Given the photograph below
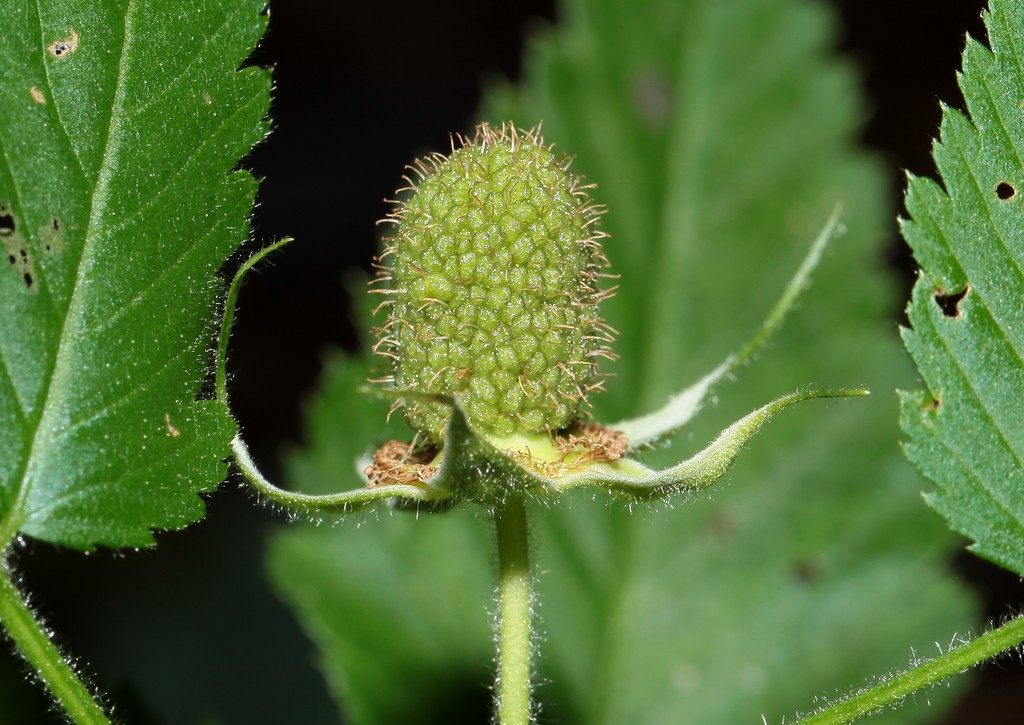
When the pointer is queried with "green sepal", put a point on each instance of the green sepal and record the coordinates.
(341, 503)
(473, 470)
(636, 482)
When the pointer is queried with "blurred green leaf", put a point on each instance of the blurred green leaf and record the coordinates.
(119, 128)
(720, 137)
(967, 313)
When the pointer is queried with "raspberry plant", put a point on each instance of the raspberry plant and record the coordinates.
(492, 279)
(540, 264)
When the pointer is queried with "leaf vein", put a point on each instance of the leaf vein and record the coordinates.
(20, 205)
(186, 254)
(57, 369)
(83, 488)
(983, 404)
(9, 378)
(184, 168)
(153, 372)
(997, 115)
(210, 37)
(1007, 257)
(56, 101)
(981, 480)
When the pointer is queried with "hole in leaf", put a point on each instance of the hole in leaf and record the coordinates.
(23, 262)
(13, 243)
(949, 303)
(64, 47)
(7, 226)
(1005, 191)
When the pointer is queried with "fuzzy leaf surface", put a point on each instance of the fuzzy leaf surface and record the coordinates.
(720, 138)
(120, 125)
(966, 316)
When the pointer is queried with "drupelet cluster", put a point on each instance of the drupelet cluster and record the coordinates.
(491, 277)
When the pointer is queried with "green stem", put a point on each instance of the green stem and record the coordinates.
(928, 673)
(515, 587)
(40, 652)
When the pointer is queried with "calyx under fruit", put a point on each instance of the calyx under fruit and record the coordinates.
(491, 276)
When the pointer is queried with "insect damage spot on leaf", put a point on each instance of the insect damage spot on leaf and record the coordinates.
(64, 47)
(1005, 191)
(51, 236)
(949, 302)
(172, 431)
(7, 225)
(21, 260)
(15, 248)
(37, 95)
(18, 256)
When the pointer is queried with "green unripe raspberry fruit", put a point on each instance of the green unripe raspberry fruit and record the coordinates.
(491, 282)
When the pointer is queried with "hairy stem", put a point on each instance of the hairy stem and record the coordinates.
(41, 653)
(930, 672)
(515, 587)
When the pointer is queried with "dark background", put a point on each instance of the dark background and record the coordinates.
(189, 632)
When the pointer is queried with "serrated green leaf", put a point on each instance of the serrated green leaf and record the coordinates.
(966, 316)
(719, 136)
(119, 127)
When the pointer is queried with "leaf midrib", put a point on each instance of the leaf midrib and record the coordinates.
(58, 381)
(682, 176)
(662, 322)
